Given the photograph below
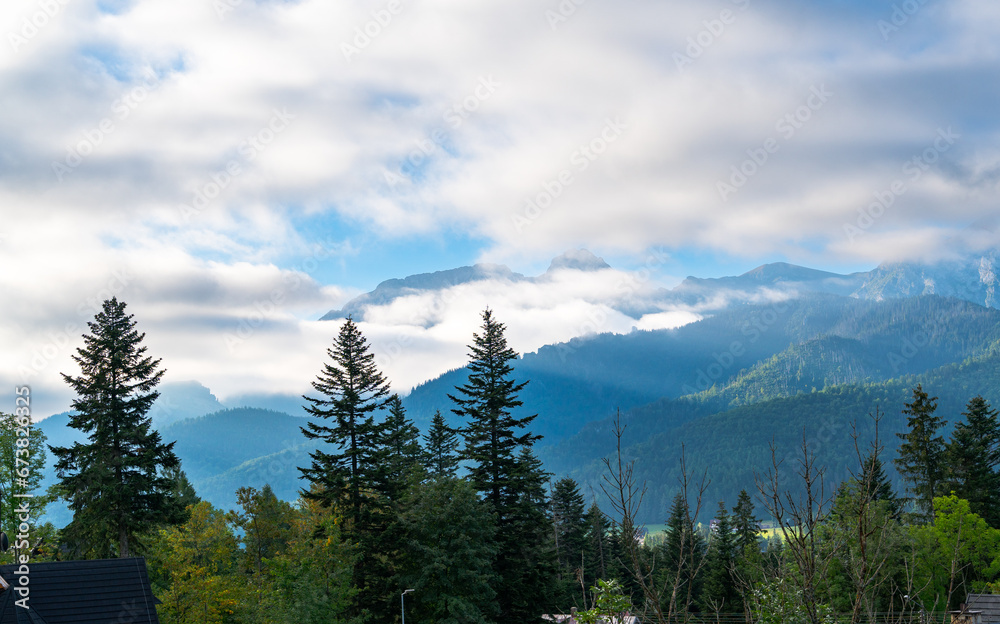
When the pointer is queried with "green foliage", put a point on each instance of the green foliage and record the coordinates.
(22, 466)
(194, 570)
(720, 593)
(569, 521)
(448, 554)
(351, 390)
(921, 456)
(972, 455)
(610, 604)
(956, 553)
(780, 601)
(116, 483)
(441, 448)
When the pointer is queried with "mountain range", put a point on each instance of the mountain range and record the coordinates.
(781, 352)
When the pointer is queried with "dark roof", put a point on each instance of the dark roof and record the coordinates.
(989, 604)
(78, 592)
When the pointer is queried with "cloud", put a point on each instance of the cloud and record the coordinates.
(188, 147)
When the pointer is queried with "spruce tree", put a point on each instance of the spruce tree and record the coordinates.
(681, 555)
(597, 548)
(511, 483)
(875, 481)
(440, 451)
(569, 520)
(972, 456)
(921, 455)
(720, 593)
(746, 525)
(352, 390)
(117, 483)
(492, 434)
(353, 477)
(400, 446)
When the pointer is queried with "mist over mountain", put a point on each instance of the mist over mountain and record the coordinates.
(787, 350)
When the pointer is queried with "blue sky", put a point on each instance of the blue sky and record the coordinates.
(217, 153)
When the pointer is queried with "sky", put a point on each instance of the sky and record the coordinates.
(234, 169)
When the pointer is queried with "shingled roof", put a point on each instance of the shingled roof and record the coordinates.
(989, 604)
(80, 592)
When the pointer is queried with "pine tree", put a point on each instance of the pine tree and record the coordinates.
(876, 482)
(116, 482)
(921, 456)
(352, 390)
(597, 548)
(569, 520)
(400, 447)
(972, 456)
(511, 484)
(492, 434)
(681, 555)
(720, 593)
(353, 477)
(746, 525)
(441, 448)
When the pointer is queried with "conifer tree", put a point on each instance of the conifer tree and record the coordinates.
(682, 556)
(400, 446)
(353, 476)
(116, 483)
(597, 548)
(492, 434)
(921, 455)
(441, 445)
(873, 474)
(352, 389)
(972, 455)
(746, 525)
(570, 528)
(511, 483)
(720, 593)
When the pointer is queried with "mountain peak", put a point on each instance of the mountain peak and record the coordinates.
(579, 260)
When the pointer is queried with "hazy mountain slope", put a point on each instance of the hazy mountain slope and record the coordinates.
(733, 445)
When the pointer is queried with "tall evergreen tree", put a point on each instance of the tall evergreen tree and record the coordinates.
(569, 521)
(972, 456)
(353, 476)
(875, 481)
(597, 548)
(116, 483)
(400, 446)
(921, 455)
(681, 555)
(511, 484)
(352, 390)
(720, 593)
(492, 434)
(441, 448)
(746, 525)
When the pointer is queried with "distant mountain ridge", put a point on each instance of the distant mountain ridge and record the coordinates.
(973, 277)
